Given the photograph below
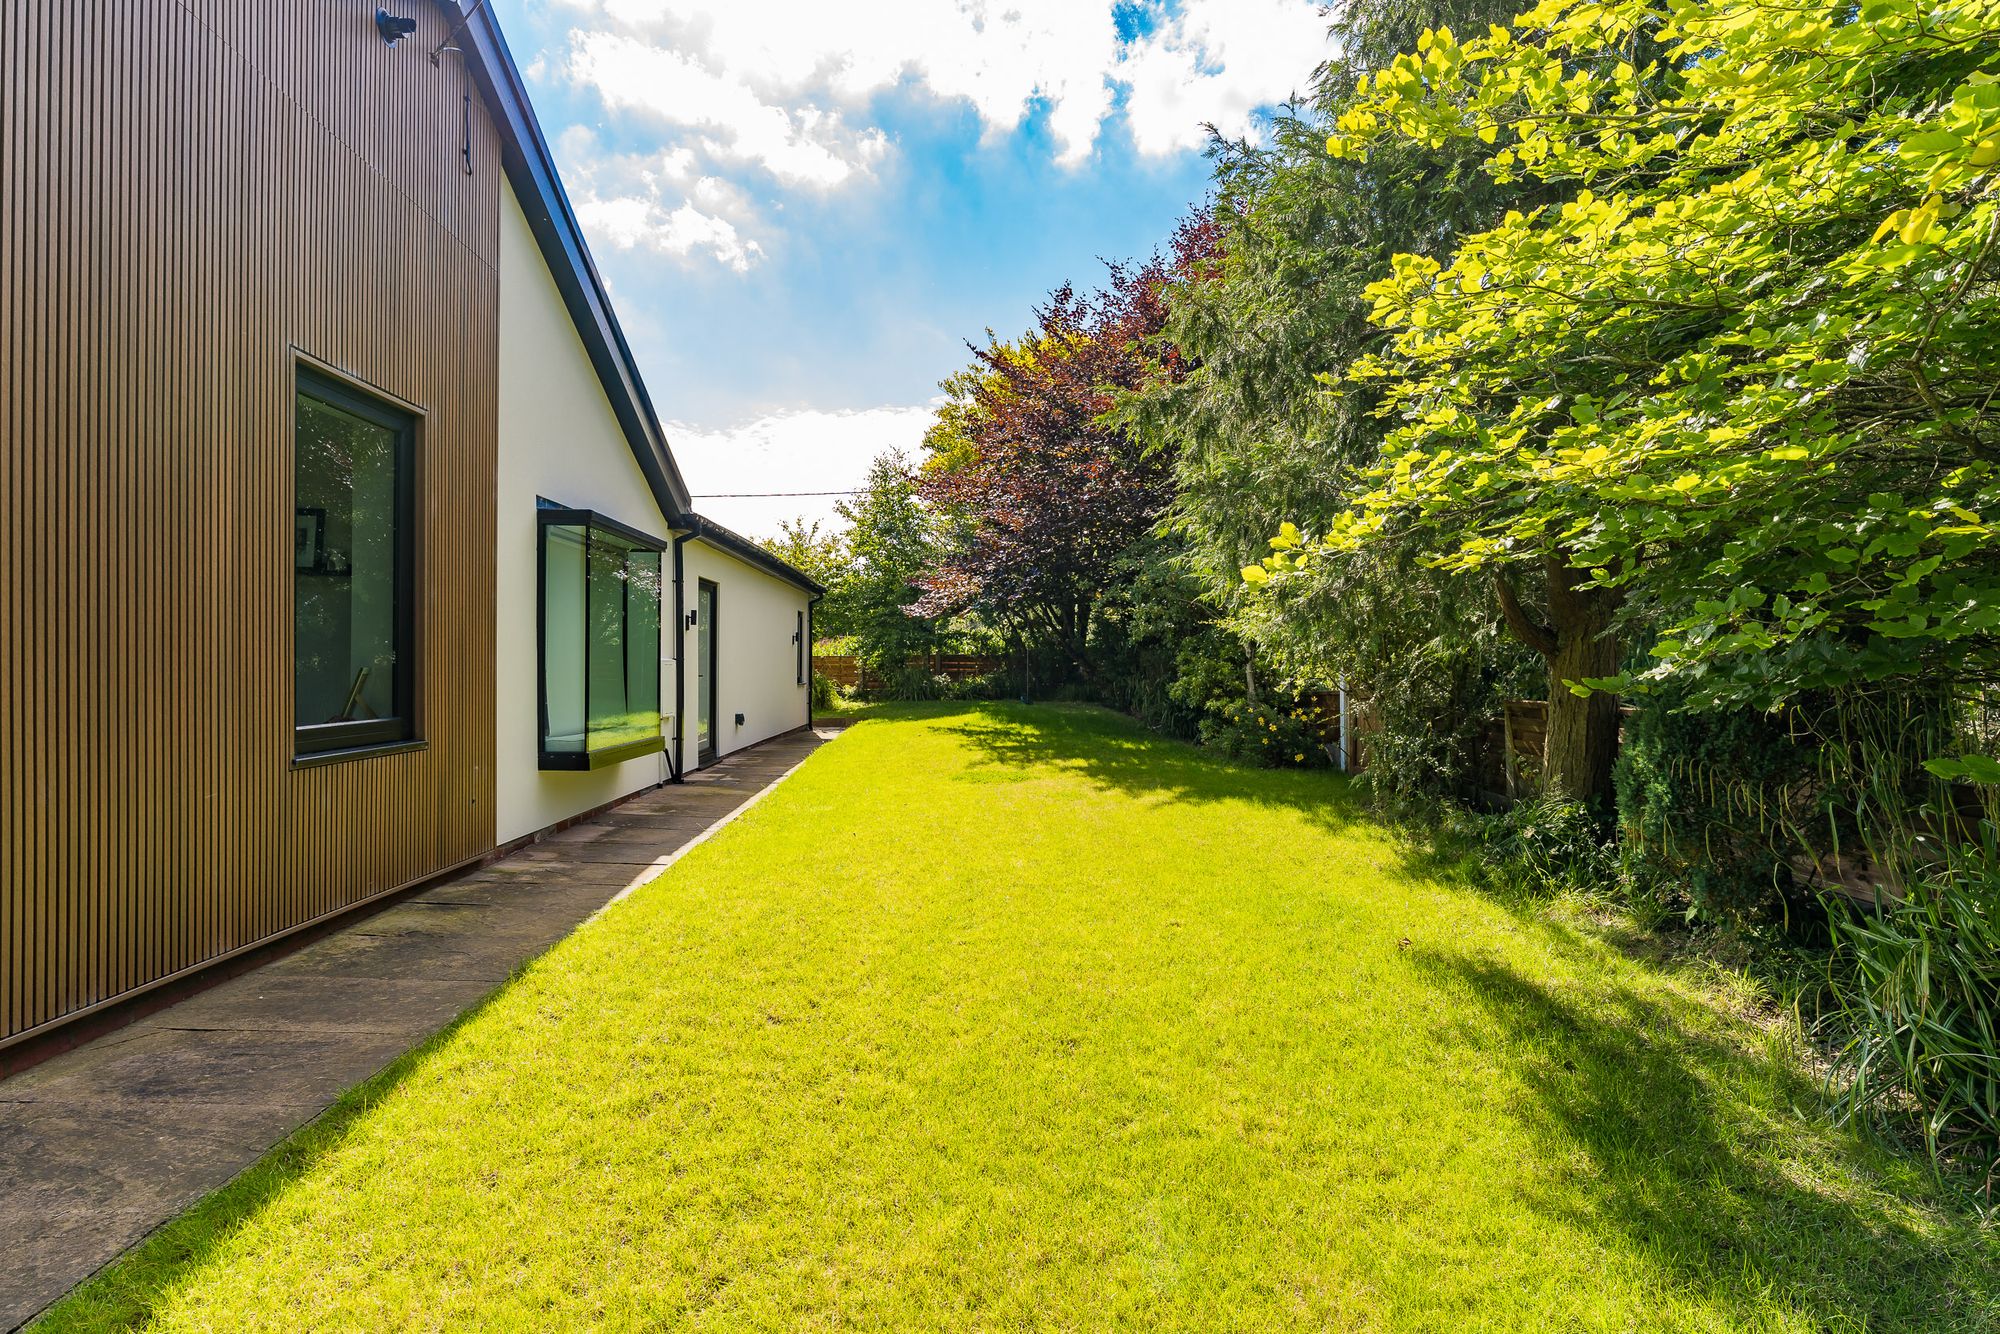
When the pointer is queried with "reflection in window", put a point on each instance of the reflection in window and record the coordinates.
(351, 568)
(601, 596)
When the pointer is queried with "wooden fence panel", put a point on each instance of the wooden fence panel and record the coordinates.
(850, 673)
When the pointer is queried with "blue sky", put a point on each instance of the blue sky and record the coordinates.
(805, 208)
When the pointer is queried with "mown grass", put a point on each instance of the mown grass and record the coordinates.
(996, 1017)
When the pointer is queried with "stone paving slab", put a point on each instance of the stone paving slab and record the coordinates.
(101, 1145)
(306, 1004)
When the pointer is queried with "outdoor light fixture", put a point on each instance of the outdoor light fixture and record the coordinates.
(393, 29)
(690, 620)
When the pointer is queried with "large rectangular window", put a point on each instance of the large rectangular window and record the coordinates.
(601, 588)
(353, 571)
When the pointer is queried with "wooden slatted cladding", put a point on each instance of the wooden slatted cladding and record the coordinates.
(194, 194)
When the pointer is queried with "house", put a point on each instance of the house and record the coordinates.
(344, 545)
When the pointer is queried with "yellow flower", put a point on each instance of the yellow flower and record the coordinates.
(1300, 757)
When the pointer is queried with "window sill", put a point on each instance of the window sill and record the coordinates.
(560, 761)
(319, 757)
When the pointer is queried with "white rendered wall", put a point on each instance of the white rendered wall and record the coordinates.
(755, 660)
(558, 439)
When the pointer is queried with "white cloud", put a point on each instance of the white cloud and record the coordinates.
(776, 95)
(803, 450)
(805, 145)
(654, 202)
(776, 80)
(631, 223)
(1217, 62)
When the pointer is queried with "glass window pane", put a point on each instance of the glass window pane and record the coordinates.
(705, 656)
(601, 622)
(642, 640)
(563, 622)
(346, 576)
(608, 721)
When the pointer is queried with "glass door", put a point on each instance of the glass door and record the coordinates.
(704, 684)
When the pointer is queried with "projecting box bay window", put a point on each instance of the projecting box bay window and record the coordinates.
(600, 630)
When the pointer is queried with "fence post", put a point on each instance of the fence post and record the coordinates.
(1345, 735)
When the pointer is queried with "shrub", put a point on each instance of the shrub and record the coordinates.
(1555, 844)
(1704, 800)
(1274, 734)
(915, 682)
(908, 682)
(826, 693)
(1920, 1002)
(993, 685)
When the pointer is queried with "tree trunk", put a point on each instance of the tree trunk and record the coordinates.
(1577, 644)
(1069, 625)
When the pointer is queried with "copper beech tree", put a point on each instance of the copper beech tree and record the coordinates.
(1040, 495)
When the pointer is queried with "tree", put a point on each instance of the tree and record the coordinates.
(1256, 441)
(1739, 386)
(1041, 494)
(891, 542)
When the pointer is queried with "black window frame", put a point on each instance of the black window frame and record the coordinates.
(708, 671)
(549, 516)
(799, 638)
(319, 743)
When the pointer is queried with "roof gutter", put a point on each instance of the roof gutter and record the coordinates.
(745, 550)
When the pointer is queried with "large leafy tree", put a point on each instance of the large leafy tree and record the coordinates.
(891, 540)
(1740, 384)
(1042, 495)
(1256, 441)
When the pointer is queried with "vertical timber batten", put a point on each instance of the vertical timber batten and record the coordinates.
(195, 194)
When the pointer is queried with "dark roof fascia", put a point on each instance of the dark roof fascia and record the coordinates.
(532, 170)
(728, 539)
(603, 523)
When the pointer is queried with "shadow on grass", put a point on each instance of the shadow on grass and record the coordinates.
(1708, 1153)
(129, 1292)
(1115, 753)
(1705, 1153)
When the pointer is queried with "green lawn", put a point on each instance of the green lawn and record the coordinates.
(995, 1018)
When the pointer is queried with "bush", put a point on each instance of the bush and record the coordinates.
(1276, 735)
(919, 683)
(993, 685)
(1920, 1001)
(1704, 800)
(826, 693)
(1555, 844)
(910, 683)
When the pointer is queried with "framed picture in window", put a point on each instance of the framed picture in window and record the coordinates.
(308, 535)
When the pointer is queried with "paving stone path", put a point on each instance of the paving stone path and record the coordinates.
(103, 1144)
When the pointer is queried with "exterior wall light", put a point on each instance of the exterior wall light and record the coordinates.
(393, 29)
